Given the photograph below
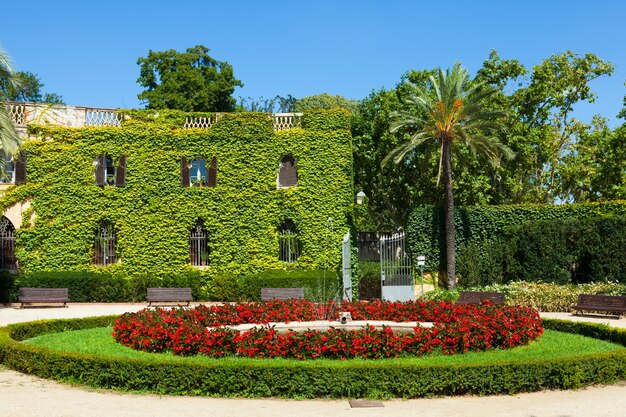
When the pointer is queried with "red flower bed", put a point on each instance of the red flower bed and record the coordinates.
(457, 329)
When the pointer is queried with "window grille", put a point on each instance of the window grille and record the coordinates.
(107, 173)
(288, 242)
(104, 245)
(7, 245)
(9, 169)
(199, 245)
(287, 173)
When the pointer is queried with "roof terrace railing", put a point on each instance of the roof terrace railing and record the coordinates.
(23, 113)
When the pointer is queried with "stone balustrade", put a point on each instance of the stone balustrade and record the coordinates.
(77, 116)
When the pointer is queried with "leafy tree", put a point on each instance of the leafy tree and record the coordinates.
(325, 101)
(188, 81)
(9, 142)
(595, 167)
(450, 112)
(27, 86)
(278, 104)
(393, 189)
(540, 128)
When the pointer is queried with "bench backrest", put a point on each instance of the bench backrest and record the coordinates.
(281, 293)
(602, 300)
(43, 295)
(476, 297)
(169, 294)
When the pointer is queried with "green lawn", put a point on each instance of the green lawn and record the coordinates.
(550, 345)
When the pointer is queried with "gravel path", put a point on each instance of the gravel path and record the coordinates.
(25, 395)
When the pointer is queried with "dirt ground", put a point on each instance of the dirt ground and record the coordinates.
(26, 395)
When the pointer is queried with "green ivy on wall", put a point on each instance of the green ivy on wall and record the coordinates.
(153, 214)
(480, 224)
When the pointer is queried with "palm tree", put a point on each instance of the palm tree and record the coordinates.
(449, 112)
(9, 142)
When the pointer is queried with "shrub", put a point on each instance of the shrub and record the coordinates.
(486, 224)
(567, 251)
(329, 379)
(7, 280)
(538, 296)
(89, 286)
(319, 285)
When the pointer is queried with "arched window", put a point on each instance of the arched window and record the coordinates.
(7, 245)
(287, 172)
(288, 242)
(107, 173)
(199, 252)
(104, 245)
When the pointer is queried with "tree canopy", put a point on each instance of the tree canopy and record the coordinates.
(26, 86)
(189, 81)
(557, 158)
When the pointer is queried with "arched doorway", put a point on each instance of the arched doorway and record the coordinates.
(7, 245)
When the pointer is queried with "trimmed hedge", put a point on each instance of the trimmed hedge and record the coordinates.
(296, 379)
(102, 286)
(480, 231)
(538, 296)
(319, 285)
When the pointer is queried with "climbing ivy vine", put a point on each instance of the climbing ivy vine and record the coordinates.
(153, 214)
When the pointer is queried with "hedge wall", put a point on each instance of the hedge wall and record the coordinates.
(480, 224)
(153, 214)
(310, 379)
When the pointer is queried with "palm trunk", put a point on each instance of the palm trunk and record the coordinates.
(449, 213)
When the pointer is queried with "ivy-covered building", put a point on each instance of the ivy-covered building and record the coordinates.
(159, 193)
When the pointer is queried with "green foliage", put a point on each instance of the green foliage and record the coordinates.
(319, 285)
(540, 130)
(27, 87)
(325, 101)
(565, 251)
(546, 297)
(7, 280)
(9, 142)
(485, 225)
(297, 379)
(189, 81)
(277, 104)
(153, 214)
(104, 286)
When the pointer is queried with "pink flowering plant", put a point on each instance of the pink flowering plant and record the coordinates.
(201, 330)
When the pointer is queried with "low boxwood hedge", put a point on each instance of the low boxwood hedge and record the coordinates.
(296, 379)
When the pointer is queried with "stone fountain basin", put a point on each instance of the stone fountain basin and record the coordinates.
(324, 325)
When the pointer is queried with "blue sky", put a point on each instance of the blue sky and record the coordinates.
(87, 50)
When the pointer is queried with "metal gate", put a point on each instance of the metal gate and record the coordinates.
(7, 244)
(347, 269)
(396, 271)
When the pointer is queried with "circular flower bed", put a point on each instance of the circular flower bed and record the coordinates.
(456, 329)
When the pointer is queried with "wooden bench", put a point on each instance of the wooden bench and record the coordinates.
(281, 293)
(43, 296)
(615, 304)
(477, 297)
(169, 295)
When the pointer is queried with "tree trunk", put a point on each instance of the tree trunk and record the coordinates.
(449, 213)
